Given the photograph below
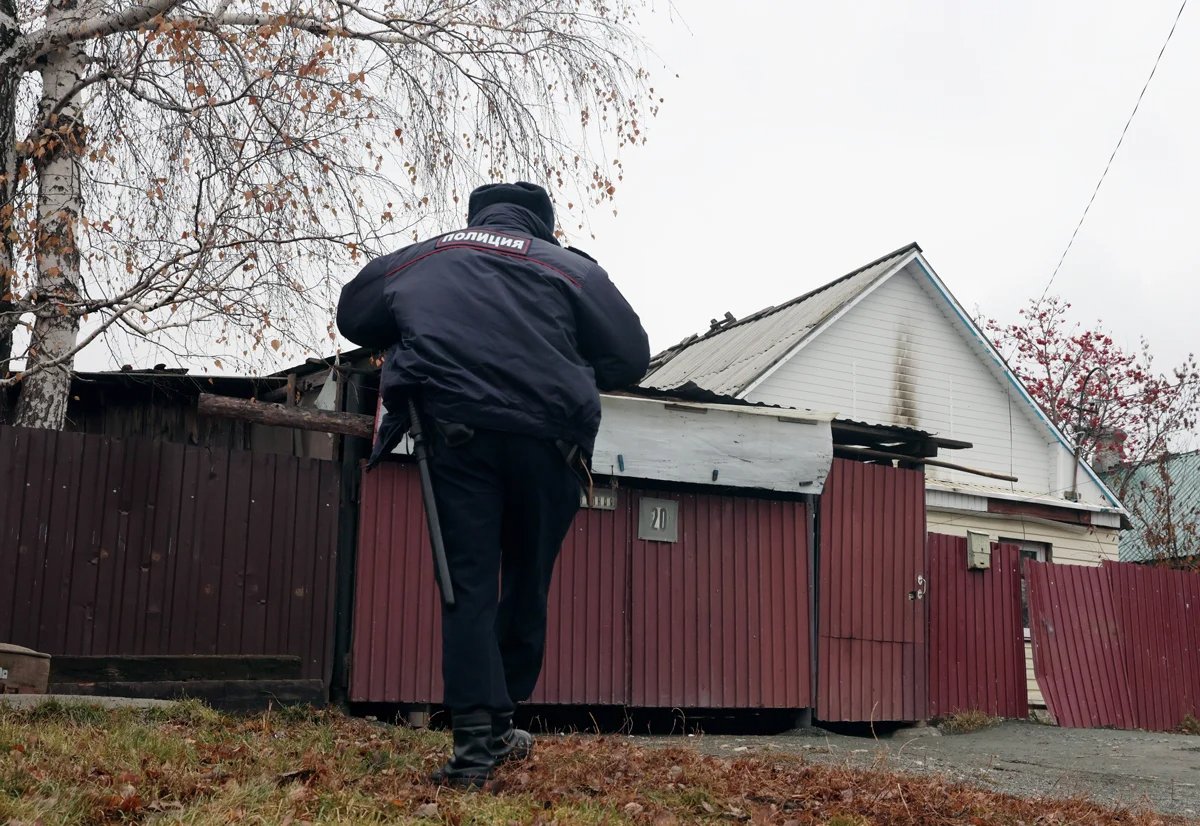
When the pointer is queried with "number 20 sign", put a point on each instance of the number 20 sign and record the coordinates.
(658, 520)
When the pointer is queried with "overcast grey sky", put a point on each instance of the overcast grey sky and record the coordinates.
(803, 139)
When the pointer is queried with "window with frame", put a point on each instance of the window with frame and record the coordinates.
(1030, 551)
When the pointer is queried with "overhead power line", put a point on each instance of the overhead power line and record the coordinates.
(1116, 148)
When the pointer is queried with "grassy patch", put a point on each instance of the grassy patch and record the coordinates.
(184, 713)
(1190, 725)
(965, 722)
(186, 764)
(1042, 717)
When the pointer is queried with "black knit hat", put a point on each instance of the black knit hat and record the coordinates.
(531, 196)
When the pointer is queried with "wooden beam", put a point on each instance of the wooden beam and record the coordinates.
(154, 667)
(952, 444)
(223, 695)
(866, 431)
(866, 453)
(278, 415)
(886, 433)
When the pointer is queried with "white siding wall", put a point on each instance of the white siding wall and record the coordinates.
(1069, 544)
(897, 357)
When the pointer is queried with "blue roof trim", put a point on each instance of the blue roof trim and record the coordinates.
(1004, 368)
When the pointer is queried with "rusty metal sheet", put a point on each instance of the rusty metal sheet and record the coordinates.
(976, 642)
(1077, 656)
(132, 546)
(721, 617)
(396, 653)
(871, 557)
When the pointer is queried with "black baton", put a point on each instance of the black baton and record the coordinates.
(441, 568)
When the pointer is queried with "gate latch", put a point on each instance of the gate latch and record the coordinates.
(921, 588)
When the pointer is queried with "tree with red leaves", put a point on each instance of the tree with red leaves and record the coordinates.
(1116, 406)
(1101, 395)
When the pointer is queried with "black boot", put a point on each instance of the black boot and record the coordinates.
(473, 760)
(509, 742)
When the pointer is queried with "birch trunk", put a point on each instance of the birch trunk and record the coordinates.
(9, 79)
(44, 393)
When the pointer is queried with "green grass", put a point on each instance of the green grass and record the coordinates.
(965, 722)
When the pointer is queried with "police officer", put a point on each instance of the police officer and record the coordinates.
(504, 338)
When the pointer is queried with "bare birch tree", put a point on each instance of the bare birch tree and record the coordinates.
(202, 173)
(9, 81)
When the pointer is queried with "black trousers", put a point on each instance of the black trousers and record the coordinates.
(506, 502)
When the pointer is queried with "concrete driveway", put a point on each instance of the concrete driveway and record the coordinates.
(1160, 772)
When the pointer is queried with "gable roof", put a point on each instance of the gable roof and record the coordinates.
(729, 358)
(733, 358)
(1142, 483)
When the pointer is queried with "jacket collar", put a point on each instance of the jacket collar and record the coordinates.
(516, 218)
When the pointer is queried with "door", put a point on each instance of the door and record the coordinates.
(871, 594)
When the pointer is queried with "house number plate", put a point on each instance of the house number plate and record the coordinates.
(658, 520)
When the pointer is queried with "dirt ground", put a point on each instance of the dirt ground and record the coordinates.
(1139, 770)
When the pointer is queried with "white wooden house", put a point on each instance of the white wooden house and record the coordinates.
(889, 344)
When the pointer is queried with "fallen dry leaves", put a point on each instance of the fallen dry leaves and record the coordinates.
(198, 767)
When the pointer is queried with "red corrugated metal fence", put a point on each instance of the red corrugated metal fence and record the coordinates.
(131, 546)
(976, 646)
(717, 619)
(1076, 647)
(721, 617)
(1158, 617)
(587, 644)
(397, 654)
(396, 651)
(1116, 646)
(872, 663)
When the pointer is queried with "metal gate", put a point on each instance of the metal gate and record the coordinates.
(871, 594)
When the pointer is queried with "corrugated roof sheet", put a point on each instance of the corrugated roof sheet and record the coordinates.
(1145, 484)
(728, 359)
